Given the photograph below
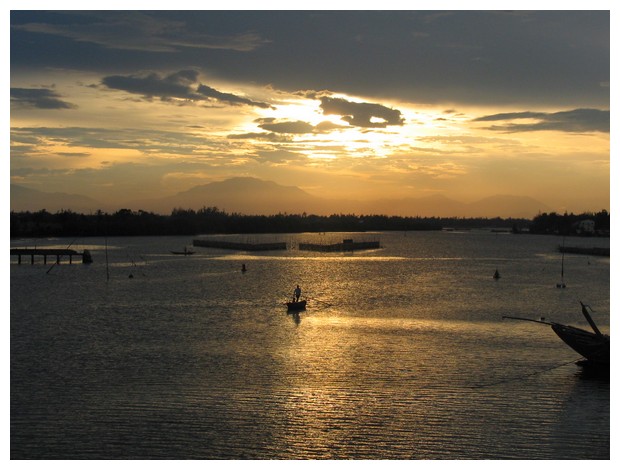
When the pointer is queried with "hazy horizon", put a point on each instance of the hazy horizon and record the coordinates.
(251, 196)
(123, 106)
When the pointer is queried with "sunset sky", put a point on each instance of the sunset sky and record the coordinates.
(128, 105)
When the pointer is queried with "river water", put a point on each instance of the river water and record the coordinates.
(402, 352)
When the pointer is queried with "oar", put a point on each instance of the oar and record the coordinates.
(314, 299)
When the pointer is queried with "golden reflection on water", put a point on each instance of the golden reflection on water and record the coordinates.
(348, 369)
(324, 397)
(395, 356)
(340, 358)
(310, 257)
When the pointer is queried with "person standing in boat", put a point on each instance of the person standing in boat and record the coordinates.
(297, 293)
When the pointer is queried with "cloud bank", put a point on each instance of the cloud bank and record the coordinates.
(576, 120)
(140, 31)
(41, 98)
(179, 85)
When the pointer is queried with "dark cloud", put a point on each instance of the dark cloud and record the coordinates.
(508, 116)
(327, 126)
(73, 154)
(181, 85)
(281, 131)
(20, 152)
(288, 127)
(313, 94)
(576, 120)
(229, 97)
(362, 114)
(139, 31)
(148, 141)
(558, 58)
(176, 85)
(42, 98)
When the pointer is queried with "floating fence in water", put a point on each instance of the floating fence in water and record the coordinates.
(593, 251)
(236, 245)
(346, 245)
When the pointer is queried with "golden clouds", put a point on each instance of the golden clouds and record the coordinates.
(186, 132)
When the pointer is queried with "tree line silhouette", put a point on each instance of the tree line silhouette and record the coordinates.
(567, 224)
(209, 220)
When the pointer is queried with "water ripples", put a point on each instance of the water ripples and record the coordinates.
(399, 359)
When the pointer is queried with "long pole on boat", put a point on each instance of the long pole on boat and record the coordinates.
(314, 299)
(527, 319)
(584, 310)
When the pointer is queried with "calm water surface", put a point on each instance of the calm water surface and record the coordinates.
(401, 354)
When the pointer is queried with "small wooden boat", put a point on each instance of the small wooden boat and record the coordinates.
(296, 306)
(593, 346)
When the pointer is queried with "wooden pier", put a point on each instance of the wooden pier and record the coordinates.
(59, 253)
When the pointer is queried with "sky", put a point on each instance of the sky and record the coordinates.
(125, 105)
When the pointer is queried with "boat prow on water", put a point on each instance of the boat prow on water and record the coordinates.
(296, 306)
(592, 345)
(594, 348)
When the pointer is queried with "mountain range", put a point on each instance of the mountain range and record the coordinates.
(255, 196)
(27, 199)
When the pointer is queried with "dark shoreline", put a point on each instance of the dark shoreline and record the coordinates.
(211, 220)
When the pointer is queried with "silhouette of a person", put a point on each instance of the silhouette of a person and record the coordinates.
(297, 293)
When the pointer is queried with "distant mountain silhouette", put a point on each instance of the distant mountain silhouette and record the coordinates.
(504, 206)
(249, 196)
(26, 199)
(428, 206)
(243, 195)
(507, 206)
(255, 196)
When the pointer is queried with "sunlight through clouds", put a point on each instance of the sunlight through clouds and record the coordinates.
(193, 104)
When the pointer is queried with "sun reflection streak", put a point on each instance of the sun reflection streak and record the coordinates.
(328, 398)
